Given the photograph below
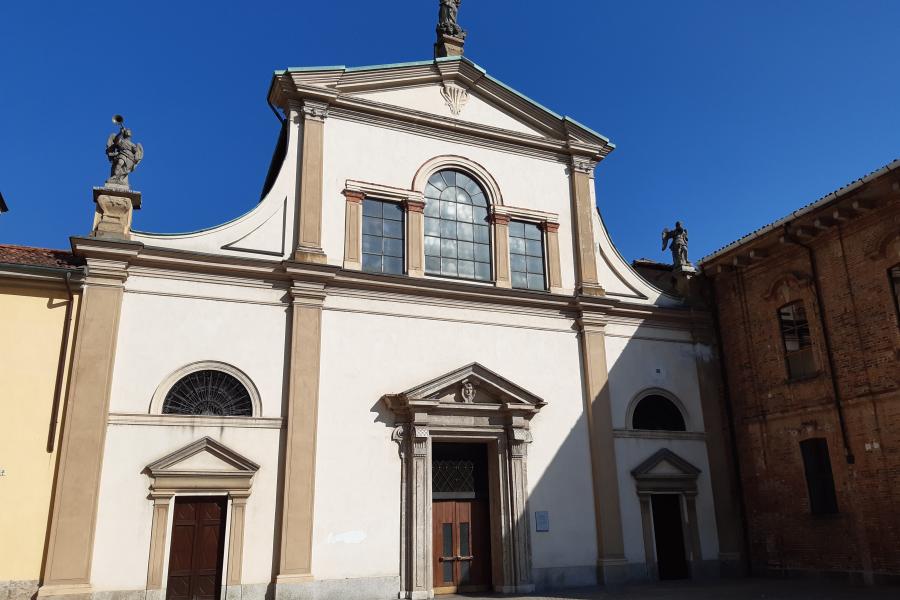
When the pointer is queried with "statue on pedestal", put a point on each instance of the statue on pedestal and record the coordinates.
(447, 24)
(115, 202)
(679, 246)
(123, 154)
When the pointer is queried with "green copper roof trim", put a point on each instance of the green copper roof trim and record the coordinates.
(325, 68)
(589, 130)
(414, 63)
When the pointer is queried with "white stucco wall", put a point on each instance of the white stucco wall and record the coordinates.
(366, 355)
(169, 323)
(125, 512)
(389, 157)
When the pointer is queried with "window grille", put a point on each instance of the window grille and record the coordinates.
(526, 255)
(382, 242)
(208, 393)
(453, 477)
(819, 478)
(797, 340)
(894, 274)
(657, 413)
(457, 234)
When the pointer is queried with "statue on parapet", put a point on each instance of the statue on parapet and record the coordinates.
(447, 19)
(123, 154)
(679, 245)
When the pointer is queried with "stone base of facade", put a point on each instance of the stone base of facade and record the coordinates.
(612, 572)
(357, 588)
(553, 578)
(853, 577)
(18, 590)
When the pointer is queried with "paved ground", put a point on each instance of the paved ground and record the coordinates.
(747, 589)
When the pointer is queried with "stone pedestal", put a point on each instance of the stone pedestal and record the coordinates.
(448, 45)
(683, 276)
(114, 208)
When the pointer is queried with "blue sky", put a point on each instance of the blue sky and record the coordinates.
(726, 115)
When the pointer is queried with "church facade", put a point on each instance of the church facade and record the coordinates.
(418, 365)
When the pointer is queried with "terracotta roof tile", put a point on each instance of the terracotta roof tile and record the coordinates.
(39, 257)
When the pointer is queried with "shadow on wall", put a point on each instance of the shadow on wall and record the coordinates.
(559, 515)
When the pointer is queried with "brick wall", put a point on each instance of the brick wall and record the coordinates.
(772, 414)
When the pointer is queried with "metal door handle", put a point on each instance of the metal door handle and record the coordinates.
(447, 558)
(465, 557)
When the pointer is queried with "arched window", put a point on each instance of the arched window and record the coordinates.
(657, 413)
(457, 233)
(208, 392)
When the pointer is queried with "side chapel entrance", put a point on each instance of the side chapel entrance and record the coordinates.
(461, 532)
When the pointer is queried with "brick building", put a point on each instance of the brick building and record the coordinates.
(809, 318)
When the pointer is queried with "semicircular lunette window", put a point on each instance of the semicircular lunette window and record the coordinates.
(457, 234)
(208, 393)
(657, 413)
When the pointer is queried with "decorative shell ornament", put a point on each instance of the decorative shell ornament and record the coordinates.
(455, 96)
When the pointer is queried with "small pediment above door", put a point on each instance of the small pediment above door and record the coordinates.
(204, 464)
(666, 471)
(472, 388)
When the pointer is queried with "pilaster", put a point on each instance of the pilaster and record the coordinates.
(309, 219)
(295, 565)
(236, 539)
(554, 271)
(586, 278)
(353, 230)
(161, 502)
(610, 543)
(723, 476)
(518, 440)
(415, 237)
(67, 569)
(501, 250)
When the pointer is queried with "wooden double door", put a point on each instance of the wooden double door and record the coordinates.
(461, 546)
(198, 543)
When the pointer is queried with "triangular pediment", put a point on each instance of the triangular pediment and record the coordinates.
(472, 387)
(447, 93)
(665, 463)
(206, 456)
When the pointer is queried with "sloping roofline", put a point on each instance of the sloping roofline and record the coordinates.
(811, 207)
(337, 79)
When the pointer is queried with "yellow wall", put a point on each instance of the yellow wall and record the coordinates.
(31, 328)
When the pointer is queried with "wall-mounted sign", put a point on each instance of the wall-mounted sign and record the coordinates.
(542, 520)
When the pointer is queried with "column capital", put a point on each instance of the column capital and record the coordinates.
(499, 219)
(307, 294)
(414, 205)
(592, 323)
(582, 164)
(354, 196)
(549, 226)
(313, 110)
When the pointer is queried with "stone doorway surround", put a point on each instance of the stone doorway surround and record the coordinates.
(667, 473)
(204, 467)
(471, 404)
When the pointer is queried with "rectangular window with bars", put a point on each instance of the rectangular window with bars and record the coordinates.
(382, 242)
(894, 274)
(526, 256)
(819, 478)
(795, 334)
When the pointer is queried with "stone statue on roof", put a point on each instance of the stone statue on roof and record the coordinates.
(679, 245)
(123, 154)
(447, 23)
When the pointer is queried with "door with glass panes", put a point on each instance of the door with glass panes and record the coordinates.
(460, 518)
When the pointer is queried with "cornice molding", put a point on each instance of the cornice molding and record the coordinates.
(337, 86)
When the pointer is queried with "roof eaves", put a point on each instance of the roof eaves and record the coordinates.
(831, 197)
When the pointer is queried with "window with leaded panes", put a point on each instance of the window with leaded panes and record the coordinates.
(382, 242)
(526, 256)
(457, 233)
(797, 340)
